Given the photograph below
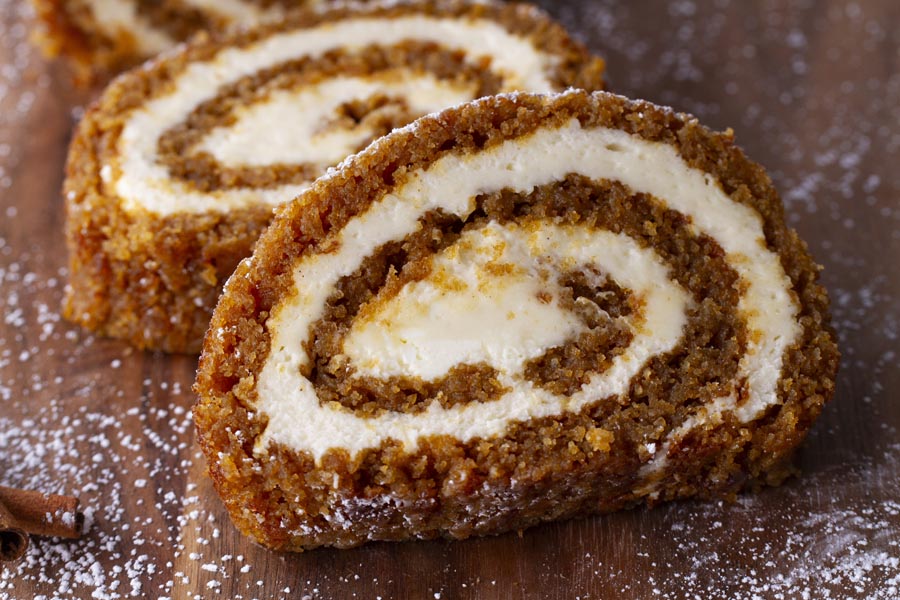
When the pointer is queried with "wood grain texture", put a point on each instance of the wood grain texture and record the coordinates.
(812, 90)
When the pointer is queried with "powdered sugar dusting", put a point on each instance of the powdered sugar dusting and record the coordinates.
(809, 93)
(828, 541)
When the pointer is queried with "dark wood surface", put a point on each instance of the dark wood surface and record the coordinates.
(812, 90)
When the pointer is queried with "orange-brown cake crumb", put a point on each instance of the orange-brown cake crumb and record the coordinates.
(660, 333)
(174, 172)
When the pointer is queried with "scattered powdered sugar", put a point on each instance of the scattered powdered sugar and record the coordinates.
(83, 416)
(846, 547)
(19, 87)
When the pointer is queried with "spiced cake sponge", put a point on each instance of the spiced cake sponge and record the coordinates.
(524, 308)
(174, 172)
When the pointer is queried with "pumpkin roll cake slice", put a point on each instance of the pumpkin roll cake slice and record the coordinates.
(102, 37)
(175, 171)
(521, 309)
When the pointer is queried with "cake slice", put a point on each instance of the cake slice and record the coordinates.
(174, 172)
(525, 308)
(100, 38)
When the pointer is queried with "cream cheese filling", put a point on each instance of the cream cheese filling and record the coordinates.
(490, 298)
(237, 11)
(295, 417)
(118, 18)
(267, 132)
(142, 182)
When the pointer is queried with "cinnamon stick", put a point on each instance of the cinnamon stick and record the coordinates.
(30, 512)
(13, 540)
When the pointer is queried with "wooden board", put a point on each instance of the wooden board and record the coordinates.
(813, 92)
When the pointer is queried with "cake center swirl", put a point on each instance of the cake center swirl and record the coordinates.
(493, 280)
(522, 165)
(266, 132)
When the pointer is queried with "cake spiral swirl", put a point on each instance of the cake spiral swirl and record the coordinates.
(175, 172)
(525, 308)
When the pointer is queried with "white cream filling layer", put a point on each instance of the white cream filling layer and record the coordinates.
(142, 182)
(490, 298)
(238, 12)
(288, 400)
(288, 126)
(118, 18)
